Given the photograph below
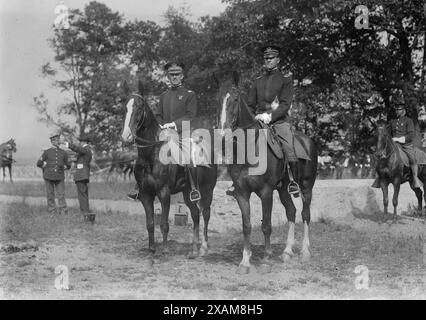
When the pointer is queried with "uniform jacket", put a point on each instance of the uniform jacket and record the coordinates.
(402, 127)
(84, 157)
(176, 105)
(264, 91)
(56, 161)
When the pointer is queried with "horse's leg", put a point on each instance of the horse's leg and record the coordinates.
(306, 218)
(147, 201)
(419, 196)
(195, 214)
(10, 173)
(396, 187)
(205, 202)
(266, 197)
(164, 197)
(384, 187)
(244, 204)
(290, 211)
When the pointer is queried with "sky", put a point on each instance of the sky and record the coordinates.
(25, 26)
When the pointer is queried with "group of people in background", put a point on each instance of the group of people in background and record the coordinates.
(54, 161)
(356, 165)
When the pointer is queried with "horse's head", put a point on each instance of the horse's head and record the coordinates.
(229, 105)
(233, 109)
(382, 140)
(11, 145)
(139, 116)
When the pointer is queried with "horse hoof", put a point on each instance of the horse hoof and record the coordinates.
(193, 255)
(306, 256)
(149, 263)
(286, 257)
(243, 270)
(203, 251)
(265, 268)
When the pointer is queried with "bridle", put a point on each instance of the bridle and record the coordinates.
(383, 154)
(240, 102)
(138, 141)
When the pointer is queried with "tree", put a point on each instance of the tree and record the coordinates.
(89, 58)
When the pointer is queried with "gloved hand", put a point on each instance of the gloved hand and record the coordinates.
(400, 139)
(170, 125)
(264, 117)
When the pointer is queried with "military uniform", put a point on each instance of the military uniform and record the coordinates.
(82, 173)
(176, 105)
(404, 127)
(54, 161)
(273, 85)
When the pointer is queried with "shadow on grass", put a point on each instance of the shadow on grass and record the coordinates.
(372, 212)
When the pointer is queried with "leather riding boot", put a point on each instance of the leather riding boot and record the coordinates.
(416, 183)
(293, 186)
(231, 191)
(133, 196)
(376, 183)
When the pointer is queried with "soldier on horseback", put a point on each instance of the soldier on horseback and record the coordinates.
(177, 104)
(270, 99)
(402, 132)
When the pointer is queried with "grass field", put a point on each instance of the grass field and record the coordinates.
(111, 190)
(110, 260)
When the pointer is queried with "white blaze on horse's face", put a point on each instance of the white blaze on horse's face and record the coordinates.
(223, 114)
(127, 133)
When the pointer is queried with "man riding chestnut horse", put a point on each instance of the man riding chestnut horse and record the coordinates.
(270, 99)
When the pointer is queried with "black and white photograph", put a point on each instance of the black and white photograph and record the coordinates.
(212, 150)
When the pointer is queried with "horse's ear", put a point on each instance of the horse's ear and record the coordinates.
(140, 87)
(236, 77)
(126, 88)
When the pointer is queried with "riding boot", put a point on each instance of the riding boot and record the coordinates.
(416, 183)
(134, 196)
(231, 191)
(293, 186)
(376, 183)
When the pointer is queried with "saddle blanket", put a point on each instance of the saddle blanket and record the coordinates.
(300, 146)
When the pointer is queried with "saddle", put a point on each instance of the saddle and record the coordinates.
(299, 143)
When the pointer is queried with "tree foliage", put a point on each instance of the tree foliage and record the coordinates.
(345, 77)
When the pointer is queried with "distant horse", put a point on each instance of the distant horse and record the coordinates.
(391, 169)
(6, 157)
(235, 115)
(156, 179)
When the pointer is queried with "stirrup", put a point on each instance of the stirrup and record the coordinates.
(194, 195)
(295, 192)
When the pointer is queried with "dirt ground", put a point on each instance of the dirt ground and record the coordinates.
(110, 260)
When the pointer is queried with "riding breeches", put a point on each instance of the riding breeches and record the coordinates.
(410, 152)
(285, 133)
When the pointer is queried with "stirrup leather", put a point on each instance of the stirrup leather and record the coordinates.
(194, 195)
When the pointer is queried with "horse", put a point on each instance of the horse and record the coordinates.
(6, 157)
(390, 168)
(235, 115)
(157, 179)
